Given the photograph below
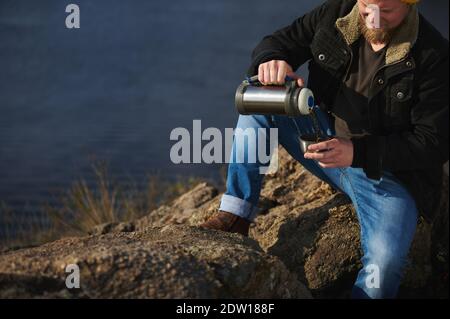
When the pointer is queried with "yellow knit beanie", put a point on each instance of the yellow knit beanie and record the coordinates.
(410, 1)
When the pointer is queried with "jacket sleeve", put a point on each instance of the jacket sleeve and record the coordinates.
(291, 44)
(426, 143)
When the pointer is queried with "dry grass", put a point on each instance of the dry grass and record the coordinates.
(83, 207)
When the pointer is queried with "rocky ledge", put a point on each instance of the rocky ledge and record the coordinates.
(303, 244)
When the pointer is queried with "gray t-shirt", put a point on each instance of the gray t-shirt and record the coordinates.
(351, 103)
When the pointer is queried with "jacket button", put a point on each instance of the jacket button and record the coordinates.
(380, 81)
(400, 95)
(344, 51)
(321, 57)
(409, 64)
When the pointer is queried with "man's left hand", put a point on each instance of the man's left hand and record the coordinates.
(337, 152)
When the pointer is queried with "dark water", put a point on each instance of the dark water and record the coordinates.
(114, 89)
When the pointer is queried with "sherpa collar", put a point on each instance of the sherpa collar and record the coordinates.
(400, 44)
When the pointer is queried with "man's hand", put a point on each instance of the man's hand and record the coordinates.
(339, 153)
(275, 72)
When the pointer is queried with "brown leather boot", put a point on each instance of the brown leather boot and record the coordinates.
(227, 222)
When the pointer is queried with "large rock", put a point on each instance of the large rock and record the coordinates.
(314, 230)
(158, 262)
(306, 232)
(181, 209)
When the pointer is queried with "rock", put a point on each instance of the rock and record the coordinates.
(318, 241)
(112, 227)
(305, 240)
(181, 208)
(159, 262)
(314, 230)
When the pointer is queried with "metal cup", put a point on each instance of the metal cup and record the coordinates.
(308, 139)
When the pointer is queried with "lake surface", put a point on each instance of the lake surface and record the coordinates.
(114, 89)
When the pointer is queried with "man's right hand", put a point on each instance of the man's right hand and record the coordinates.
(274, 73)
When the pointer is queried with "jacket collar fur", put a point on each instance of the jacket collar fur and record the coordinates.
(402, 41)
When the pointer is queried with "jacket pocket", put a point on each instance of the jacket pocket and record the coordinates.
(399, 101)
(328, 53)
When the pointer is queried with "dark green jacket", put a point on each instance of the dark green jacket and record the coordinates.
(408, 97)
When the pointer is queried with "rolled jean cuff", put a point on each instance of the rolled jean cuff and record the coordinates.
(239, 207)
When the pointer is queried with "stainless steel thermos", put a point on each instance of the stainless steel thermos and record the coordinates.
(254, 98)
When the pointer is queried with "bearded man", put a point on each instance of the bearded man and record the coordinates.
(379, 73)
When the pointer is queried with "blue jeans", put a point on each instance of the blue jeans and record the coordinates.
(386, 211)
